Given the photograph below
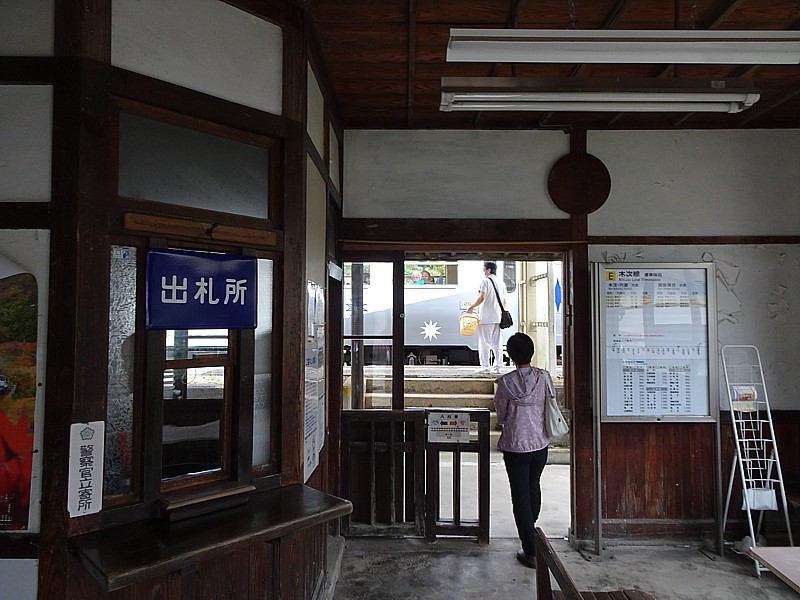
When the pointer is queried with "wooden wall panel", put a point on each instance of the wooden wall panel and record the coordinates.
(82, 586)
(263, 570)
(167, 587)
(787, 434)
(658, 478)
(248, 572)
(224, 577)
(658, 472)
(302, 562)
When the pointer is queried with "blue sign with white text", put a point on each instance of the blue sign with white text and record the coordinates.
(200, 290)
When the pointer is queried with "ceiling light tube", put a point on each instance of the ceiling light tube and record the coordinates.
(573, 46)
(600, 95)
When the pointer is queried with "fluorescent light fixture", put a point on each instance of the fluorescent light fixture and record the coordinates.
(596, 95)
(673, 46)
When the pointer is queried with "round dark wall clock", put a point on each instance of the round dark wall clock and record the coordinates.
(579, 183)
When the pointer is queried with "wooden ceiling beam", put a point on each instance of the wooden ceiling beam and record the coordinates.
(366, 49)
(764, 107)
(514, 10)
(714, 23)
(611, 21)
(724, 13)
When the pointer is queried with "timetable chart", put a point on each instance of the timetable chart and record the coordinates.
(643, 351)
(652, 388)
(655, 341)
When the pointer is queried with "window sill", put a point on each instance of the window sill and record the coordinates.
(136, 552)
(200, 500)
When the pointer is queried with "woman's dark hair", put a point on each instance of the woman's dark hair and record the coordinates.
(492, 266)
(520, 348)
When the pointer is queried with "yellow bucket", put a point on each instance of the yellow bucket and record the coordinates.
(468, 323)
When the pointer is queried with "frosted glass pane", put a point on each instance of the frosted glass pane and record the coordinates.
(121, 330)
(185, 167)
(262, 371)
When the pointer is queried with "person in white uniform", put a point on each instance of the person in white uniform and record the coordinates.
(489, 325)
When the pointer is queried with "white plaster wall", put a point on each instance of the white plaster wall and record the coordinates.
(450, 174)
(758, 303)
(699, 182)
(26, 125)
(204, 45)
(316, 223)
(30, 250)
(315, 113)
(26, 27)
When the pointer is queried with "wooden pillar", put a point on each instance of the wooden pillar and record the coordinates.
(78, 315)
(580, 376)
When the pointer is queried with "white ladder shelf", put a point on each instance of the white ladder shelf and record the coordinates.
(755, 451)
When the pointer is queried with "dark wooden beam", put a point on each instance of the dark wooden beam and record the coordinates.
(513, 19)
(578, 387)
(27, 70)
(613, 18)
(611, 22)
(740, 72)
(77, 350)
(764, 107)
(412, 57)
(416, 232)
(723, 14)
(26, 215)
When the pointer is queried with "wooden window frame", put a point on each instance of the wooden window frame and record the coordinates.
(146, 224)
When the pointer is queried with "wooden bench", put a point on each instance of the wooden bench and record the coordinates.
(547, 562)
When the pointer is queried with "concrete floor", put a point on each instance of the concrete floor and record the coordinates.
(457, 569)
(410, 569)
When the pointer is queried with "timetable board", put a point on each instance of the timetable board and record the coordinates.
(656, 332)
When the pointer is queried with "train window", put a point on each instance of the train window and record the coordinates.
(510, 276)
(430, 273)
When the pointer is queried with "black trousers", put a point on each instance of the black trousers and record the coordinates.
(524, 473)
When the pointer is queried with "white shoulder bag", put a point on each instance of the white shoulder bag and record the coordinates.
(556, 424)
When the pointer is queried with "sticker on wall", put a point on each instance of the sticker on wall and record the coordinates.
(85, 487)
(18, 337)
(448, 427)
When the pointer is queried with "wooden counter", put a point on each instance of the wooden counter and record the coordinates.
(132, 553)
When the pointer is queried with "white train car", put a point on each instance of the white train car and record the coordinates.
(431, 310)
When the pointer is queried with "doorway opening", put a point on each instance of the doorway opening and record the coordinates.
(404, 350)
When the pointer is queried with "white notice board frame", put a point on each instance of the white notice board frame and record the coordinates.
(655, 331)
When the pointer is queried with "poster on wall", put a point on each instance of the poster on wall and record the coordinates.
(656, 330)
(18, 340)
(311, 446)
(314, 398)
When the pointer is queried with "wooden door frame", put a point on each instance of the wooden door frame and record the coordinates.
(362, 238)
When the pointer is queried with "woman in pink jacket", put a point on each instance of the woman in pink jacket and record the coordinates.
(520, 403)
